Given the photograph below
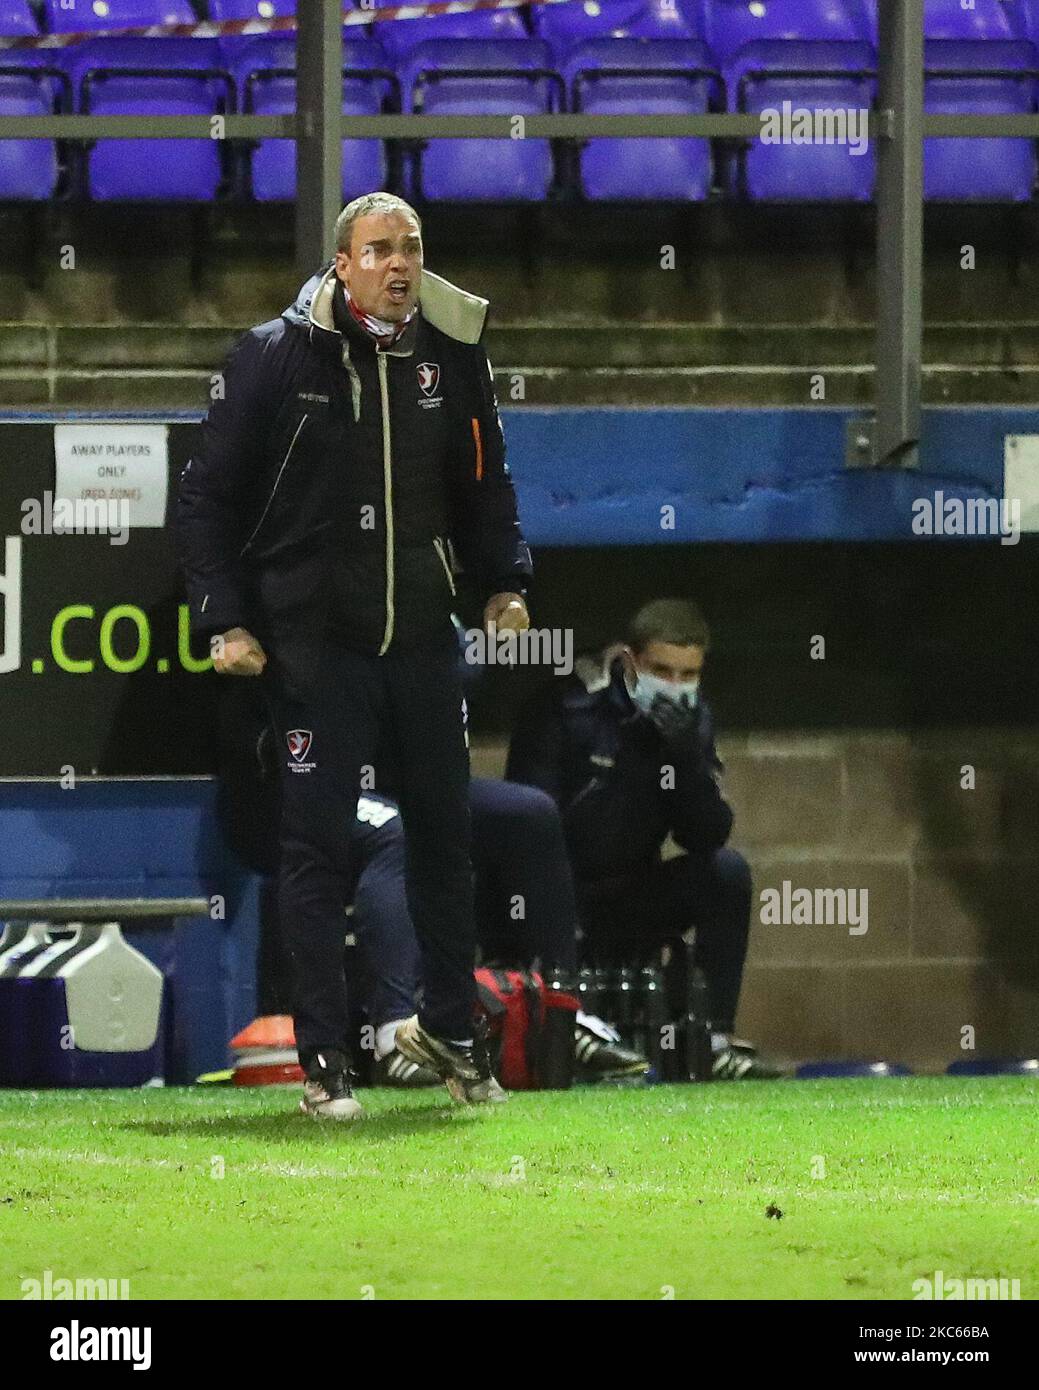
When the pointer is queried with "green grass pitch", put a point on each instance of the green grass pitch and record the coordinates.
(216, 1193)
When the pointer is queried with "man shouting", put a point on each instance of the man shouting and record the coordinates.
(354, 452)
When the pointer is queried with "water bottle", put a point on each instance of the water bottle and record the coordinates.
(604, 986)
(698, 1055)
(587, 990)
(626, 1003)
(652, 1018)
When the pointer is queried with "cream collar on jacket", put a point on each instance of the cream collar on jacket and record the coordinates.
(454, 311)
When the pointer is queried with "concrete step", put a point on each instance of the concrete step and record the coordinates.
(614, 345)
(717, 262)
(188, 388)
(537, 363)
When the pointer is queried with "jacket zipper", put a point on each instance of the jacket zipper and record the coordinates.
(277, 484)
(387, 481)
(438, 545)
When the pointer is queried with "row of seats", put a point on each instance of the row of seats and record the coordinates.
(726, 25)
(655, 57)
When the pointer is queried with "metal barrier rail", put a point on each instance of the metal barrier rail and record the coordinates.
(100, 909)
(561, 126)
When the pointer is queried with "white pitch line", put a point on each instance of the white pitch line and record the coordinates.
(784, 1191)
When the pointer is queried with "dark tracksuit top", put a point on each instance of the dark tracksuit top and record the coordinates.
(314, 502)
(601, 760)
(332, 484)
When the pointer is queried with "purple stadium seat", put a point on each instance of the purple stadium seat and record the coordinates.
(563, 27)
(814, 54)
(16, 18)
(30, 86)
(978, 61)
(989, 20)
(659, 77)
(220, 11)
(167, 77)
(978, 77)
(730, 25)
(823, 79)
(993, 36)
(456, 77)
(267, 88)
(1029, 12)
(232, 45)
(84, 15)
(399, 36)
(28, 168)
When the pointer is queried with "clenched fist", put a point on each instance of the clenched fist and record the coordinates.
(507, 612)
(237, 653)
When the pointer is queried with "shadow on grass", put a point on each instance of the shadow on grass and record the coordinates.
(293, 1126)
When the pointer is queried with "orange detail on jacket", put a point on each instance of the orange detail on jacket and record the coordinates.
(479, 448)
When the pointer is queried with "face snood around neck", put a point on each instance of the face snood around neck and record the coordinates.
(383, 331)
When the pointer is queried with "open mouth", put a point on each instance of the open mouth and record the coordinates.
(397, 291)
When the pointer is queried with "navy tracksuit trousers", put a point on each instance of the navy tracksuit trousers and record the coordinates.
(336, 712)
(628, 919)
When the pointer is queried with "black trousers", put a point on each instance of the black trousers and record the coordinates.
(519, 856)
(627, 920)
(518, 853)
(335, 713)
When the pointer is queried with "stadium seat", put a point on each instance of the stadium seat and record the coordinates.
(826, 79)
(998, 39)
(814, 54)
(649, 77)
(468, 77)
(1029, 13)
(86, 15)
(988, 20)
(563, 27)
(400, 36)
(30, 86)
(727, 26)
(16, 19)
(984, 78)
(264, 75)
(228, 11)
(225, 11)
(168, 77)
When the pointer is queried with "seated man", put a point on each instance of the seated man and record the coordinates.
(625, 747)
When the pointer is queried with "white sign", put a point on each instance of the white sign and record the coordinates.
(121, 465)
(1021, 476)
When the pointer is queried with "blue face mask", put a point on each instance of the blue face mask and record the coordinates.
(648, 688)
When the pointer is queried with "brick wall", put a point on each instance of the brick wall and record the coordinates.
(952, 876)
